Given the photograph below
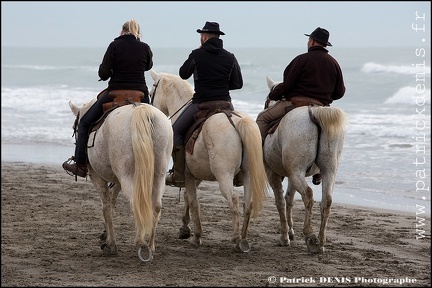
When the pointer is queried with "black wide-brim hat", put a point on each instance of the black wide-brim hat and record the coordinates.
(321, 35)
(212, 28)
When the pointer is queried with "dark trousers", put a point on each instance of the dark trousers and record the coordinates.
(90, 117)
(184, 122)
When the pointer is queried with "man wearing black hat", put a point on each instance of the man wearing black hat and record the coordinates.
(315, 76)
(216, 71)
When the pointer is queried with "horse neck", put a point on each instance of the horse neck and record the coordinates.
(178, 103)
(87, 107)
(180, 95)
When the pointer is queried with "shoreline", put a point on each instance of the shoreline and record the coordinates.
(48, 155)
(57, 169)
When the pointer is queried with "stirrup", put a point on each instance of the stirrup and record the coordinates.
(316, 179)
(170, 180)
(69, 161)
(80, 170)
(238, 180)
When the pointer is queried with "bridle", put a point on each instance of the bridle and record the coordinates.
(75, 125)
(155, 85)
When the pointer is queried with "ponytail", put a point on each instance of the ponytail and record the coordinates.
(132, 27)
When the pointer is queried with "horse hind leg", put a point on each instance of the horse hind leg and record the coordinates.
(289, 199)
(325, 208)
(242, 244)
(146, 252)
(233, 204)
(227, 190)
(275, 182)
(185, 230)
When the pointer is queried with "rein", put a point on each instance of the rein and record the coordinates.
(190, 100)
(75, 125)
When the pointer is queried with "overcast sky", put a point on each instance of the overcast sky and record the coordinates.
(246, 24)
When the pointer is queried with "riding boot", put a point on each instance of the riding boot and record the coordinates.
(75, 169)
(176, 176)
(316, 179)
(238, 179)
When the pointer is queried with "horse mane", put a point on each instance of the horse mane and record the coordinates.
(183, 88)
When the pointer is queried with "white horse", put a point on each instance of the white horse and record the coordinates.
(130, 152)
(298, 148)
(221, 150)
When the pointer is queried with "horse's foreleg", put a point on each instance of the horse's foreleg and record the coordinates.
(115, 190)
(108, 241)
(185, 231)
(275, 182)
(194, 207)
(289, 197)
(108, 245)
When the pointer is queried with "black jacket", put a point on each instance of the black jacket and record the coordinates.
(215, 70)
(314, 74)
(125, 61)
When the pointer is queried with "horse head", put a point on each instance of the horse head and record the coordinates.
(79, 112)
(270, 84)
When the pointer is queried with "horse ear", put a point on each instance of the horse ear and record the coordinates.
(270, 83)
(154, 75)
(75, 109)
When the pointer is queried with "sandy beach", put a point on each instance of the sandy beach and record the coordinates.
(51, 226)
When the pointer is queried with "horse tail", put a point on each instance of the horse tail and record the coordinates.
(142, 145)
(252, 143)
(332, 120)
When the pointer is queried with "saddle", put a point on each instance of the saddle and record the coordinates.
(297, 101)
(120, 98)
(206, 110)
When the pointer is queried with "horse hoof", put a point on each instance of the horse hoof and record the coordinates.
(103, 236)
(196, 242)
(184, 233)
(312, 244)
(242, 245)
(291, 236)
(284, 242)
(107, 251)
(148, 256)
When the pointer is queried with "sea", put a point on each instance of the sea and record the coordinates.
(386, 161)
